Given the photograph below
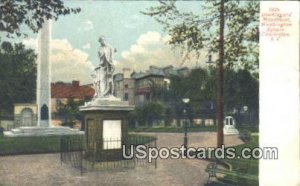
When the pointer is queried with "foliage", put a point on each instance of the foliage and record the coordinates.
(248, 168)
(149, 113)
(168, 116)
(70, 111)
(247, 131)
(159, 93)
(192, 32)
(194, 86)
(240, 88)
(245, 166)
(17, 75)
(31, 13)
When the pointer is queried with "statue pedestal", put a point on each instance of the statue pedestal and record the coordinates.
(106, 125)
(106, 104)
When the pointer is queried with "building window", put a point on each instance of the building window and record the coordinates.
(147, 96)
(126, 85)
(126, 96)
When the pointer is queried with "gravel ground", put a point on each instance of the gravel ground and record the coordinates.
(46, 169)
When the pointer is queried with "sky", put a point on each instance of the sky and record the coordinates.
(139, 40)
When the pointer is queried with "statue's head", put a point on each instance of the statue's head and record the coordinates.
(101, 40)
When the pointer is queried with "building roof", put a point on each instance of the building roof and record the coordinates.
(155, 71)
(71, 90)
(148, 74)
(118, 77)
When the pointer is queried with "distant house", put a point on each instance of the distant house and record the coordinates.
(144, 83)
(124, 86)
(136, 87)
(25, 114)
(61, 92)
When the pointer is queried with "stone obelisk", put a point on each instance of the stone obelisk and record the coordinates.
(43, 96)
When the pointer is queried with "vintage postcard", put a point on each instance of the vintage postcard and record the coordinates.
(149, 92)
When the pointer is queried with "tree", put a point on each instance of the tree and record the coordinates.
(194, 32)
(31, 13)
(194, 86)
(150, 112)
(17, 75)
(240, 88)
(70, 111)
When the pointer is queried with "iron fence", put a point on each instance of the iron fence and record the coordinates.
(20, 121)
(71, 151)
(104, 154)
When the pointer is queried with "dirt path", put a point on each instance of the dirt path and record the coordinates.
(46, 169)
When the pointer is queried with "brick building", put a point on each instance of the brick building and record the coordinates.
(136, 87)
(61, 92)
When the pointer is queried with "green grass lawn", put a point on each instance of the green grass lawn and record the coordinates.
(30, 145)
(136, 139)
(244, 166)
(175, 129)
(50, 144)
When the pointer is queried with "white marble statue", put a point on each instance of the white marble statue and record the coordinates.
(103, 75)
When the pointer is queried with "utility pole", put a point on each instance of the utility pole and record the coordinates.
(220, 102)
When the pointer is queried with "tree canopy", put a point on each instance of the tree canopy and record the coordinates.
(70, 111)
(30, 13)
(240, 88)
(17, 75)
(18, 68)
(194, 32)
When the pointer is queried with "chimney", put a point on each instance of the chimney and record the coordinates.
(75, 83)
(126, 73)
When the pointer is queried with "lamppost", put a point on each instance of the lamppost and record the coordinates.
(185, 139)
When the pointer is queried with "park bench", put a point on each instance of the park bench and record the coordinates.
(230, 176)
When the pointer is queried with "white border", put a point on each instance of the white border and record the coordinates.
(279, 100)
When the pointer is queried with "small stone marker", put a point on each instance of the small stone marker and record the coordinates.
(229, 126)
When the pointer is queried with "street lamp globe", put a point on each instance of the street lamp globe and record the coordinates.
(186, 100)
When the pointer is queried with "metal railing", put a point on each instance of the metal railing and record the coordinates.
(104, 154)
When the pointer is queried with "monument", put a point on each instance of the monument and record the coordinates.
(43, 93)
(43, 96)
(229, 126)
(105, 116)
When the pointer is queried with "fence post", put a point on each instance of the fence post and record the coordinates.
(61, 153)
(135, 159)
(155, 161)
(94, 153)
(81, 162)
